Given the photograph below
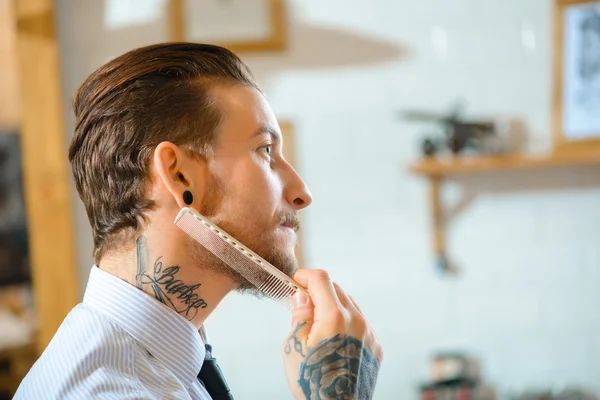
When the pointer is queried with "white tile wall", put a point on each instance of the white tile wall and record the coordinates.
(525, 301)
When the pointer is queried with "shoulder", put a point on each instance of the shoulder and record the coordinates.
(85, 335)
(89, 355)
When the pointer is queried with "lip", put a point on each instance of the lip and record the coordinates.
(293, 228)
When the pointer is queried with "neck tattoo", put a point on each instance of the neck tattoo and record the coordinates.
(165, 284)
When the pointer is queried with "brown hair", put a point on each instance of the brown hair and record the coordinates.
(125, 109)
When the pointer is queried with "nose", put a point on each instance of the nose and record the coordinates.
(296, 193)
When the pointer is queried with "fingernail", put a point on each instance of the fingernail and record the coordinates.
(299, 300)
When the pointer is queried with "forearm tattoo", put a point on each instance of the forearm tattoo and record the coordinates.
(165, 285)
(339, 368)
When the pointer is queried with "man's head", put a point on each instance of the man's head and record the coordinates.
(167, 118)
(590, 46)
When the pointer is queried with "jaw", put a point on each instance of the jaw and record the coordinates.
(277, 248)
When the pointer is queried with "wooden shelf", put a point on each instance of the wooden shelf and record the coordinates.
(477, 164)
(437, 169)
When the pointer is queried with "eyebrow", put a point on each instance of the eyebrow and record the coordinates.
(268, 129)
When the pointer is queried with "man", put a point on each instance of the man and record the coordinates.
(161, 128)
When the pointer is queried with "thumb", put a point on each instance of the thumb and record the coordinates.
(302, 320)
(302, 309)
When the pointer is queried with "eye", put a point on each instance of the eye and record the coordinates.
(267, 149)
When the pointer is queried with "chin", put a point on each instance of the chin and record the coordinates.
(279, 253)
(285, 261)
(288, 267)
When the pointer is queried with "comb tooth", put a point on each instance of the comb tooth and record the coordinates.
(281, 286)
(267, 288)
(267, 285)
(285, 300)
(289, 292)
(277, 294)
(284, 290)
(287, 304)
(274, 284)
(280, 290)
(273, 288)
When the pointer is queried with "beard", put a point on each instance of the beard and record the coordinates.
(259, 237)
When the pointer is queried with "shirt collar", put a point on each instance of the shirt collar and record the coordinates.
(168, 336)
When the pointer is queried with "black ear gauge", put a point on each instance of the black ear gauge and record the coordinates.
(188, 198)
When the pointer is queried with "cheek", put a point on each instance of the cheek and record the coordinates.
(253, 193)
(262, 192)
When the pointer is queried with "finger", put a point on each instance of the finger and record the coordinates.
(356, 305)
(377, 350)
(342, 296)
(347, 300)
(302, 321)
(320, 287)
(302, 308)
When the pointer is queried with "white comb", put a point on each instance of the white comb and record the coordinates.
(269, 280)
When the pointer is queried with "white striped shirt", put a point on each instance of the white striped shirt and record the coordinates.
(119, 343)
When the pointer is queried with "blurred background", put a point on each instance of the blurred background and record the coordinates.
(452, 148)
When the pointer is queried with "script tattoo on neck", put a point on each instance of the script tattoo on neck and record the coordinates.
(165, 285)
(339, 368)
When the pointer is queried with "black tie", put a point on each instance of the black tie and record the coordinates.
(212, 377)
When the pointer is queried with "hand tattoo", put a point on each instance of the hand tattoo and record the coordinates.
(297, 343)
(339, 368)
(163, 283)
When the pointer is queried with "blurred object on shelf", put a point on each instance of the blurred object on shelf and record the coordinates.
(447, 367)
(463, 136)
(455, 376)
(457, 391)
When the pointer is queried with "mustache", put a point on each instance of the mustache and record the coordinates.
(290, 219)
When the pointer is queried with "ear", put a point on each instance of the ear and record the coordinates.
(178, 171)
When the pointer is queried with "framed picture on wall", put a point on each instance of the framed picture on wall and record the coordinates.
(577, 76)
(240, 25)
